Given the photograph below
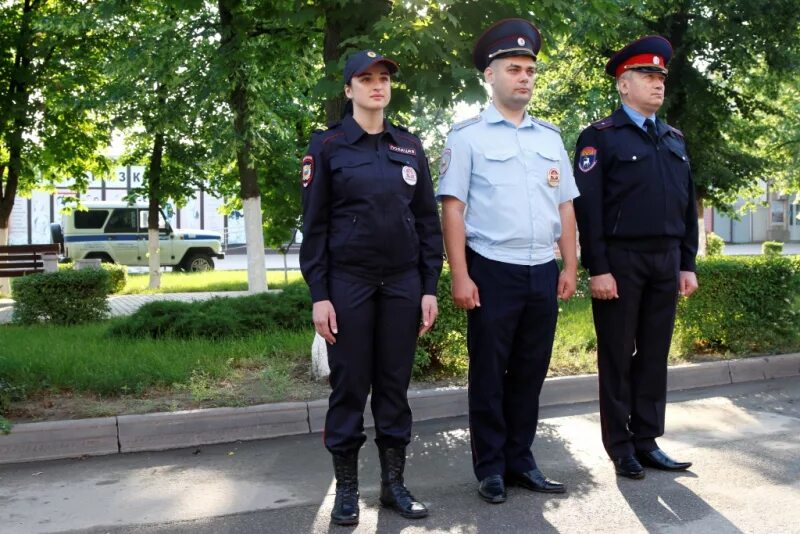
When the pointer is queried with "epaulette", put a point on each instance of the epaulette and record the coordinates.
(546, 124)
(467, 122)
(602, 124)
(676, 131)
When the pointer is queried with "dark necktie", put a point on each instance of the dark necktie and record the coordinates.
(650, 126)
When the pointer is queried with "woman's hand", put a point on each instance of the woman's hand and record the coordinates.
(430, 310)
(324, 318)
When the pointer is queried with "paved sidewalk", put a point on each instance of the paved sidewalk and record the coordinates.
(742, 439)
(128, 304)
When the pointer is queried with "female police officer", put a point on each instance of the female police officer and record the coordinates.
(371, 255)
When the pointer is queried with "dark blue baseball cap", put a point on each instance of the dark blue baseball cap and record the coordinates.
(648, 54)
(363, 60)
(507, 37)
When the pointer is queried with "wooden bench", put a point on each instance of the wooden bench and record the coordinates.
(20, 260)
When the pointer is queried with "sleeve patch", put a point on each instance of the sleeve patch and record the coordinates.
(444, 163)
(587, 158)
(308, 170)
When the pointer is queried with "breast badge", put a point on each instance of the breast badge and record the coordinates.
(553, 177)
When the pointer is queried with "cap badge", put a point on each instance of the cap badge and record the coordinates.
(553, 177)
(656, 60)
(521, 41)
(409, 175)
(371, 54)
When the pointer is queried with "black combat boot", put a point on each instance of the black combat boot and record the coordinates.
(345, 507)
(394, 493)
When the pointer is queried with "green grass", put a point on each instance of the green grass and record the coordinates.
(84, 359)
(198, 282)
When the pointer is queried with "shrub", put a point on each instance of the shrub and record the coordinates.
(744, 304)
(715, 245)
(62, 297)
(772, 248)
(118, 274)
(221, 317)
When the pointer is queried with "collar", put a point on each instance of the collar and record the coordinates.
(493, 116)
(637, 118)
(353, 132)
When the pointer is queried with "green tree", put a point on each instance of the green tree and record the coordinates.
(158, 89)
(48, 79)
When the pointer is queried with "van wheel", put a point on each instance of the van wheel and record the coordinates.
(197, 263)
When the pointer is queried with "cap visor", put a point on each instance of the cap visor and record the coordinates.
(393, 68)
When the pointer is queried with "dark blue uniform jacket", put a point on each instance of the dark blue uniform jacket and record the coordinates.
(634, 192)
(368, 214)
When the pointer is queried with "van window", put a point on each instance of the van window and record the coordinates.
(90, 220)
(143, 214)
(122, 220)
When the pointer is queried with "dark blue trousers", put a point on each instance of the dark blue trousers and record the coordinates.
(510, 339)
(633, 338)
(378, 324)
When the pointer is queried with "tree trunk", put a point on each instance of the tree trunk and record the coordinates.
(154, 189)
(232, 33)
(701, 228)
(5, 283)
(330, 55)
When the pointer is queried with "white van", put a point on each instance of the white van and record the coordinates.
(116, 232)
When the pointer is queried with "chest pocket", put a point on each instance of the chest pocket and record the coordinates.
(680, 154)
(403, 171)
(498, 167)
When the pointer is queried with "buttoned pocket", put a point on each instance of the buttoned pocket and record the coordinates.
(345, 161)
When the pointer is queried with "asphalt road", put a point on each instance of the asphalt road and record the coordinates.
(743, 439)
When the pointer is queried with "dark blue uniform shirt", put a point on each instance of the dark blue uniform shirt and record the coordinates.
(634, 192)
(368, 213)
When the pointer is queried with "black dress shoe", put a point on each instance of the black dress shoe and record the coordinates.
(660, 460)
(534, 480)
(629, 467)
(492, 489)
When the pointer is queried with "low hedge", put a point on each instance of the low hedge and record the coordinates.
(221, 317)
(744, 304)
(62, 297)
(117, 274)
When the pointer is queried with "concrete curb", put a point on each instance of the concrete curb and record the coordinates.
(173, 430)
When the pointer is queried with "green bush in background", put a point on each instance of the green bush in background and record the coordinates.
(221, 317)
(117, 274)
(715, 245)
(772, 248)
(743, 305)
(62, 297)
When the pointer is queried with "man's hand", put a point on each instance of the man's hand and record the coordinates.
(324, 318)
(465, 292)
(687, 283)
(567, 283)
(430, 310)
(603, 287)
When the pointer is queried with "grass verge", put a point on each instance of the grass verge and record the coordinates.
(201, 282)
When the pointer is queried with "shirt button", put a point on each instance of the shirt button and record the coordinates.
(634, 158)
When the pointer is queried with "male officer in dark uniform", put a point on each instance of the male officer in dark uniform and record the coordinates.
(506, 188)
(637, 219)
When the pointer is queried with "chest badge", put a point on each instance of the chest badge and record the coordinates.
(409, 175)
(553, 177)
(587, 158)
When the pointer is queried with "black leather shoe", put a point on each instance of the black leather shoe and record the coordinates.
(534, 480)
(660, 460)
(345, 507)
(629, 467)
(492, 489)
(394, 493)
